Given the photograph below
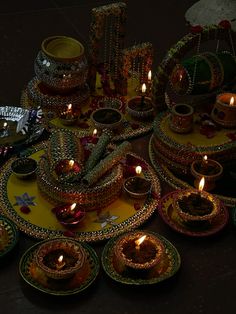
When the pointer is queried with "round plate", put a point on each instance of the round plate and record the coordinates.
(38, 280)
(33, 214)
(172, 219)
(9, 235)
(169, 177)
(168, 266)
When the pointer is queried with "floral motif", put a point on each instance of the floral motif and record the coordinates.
(25, 200)
(106, 219)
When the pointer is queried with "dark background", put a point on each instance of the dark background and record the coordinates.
(207, 278)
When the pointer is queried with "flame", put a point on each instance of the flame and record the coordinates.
(180, 77)
(60, 259)
(231, 103)
(138, 169)
(95, 131)
(69, 107)
(72, 207)
(71, 163)
(201, 184)
(144, 88)
(205, 158)
(5, 124)
(140, 241)
(149, 75)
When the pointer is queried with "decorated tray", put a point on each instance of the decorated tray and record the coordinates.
(8, 235)
(129, 128)
(169, 215)
(225, 184)
(166, 268)
(36, 278)
(33, 214)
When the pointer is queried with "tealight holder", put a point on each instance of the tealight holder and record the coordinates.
(211, 170)
(196, 206)
(137, 187)
(69, 215)
(24, 167)
(224, 112)
(141, 257)
(140, 108)
(107, 118)
(48, 258)
(69, 118)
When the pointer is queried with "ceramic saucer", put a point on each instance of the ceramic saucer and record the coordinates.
(170, 216)
(38, 280)
(8, 235)
(167, 267)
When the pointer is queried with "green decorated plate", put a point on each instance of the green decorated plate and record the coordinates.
(38, 280)
(167, 267)
(8, 235)
(171, 218)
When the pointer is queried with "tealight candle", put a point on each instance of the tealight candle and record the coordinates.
(224, 110)
(69, 215)
(68, 117)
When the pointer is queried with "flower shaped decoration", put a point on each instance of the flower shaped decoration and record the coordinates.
(106, 219)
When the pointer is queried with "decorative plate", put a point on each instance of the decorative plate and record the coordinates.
(176, 182)
(130, 127)
(22, 203)
(167, 267)
(38, 280)
(9, 235)
(171, 218)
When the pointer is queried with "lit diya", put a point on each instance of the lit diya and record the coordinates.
(138, 251)
(69, 117)
(68, 169)
(69, 215)
(60, 258)
(211, 169)
(107, 118)
(224, 110)
(140, 107)
(194, 205)
(137, 186)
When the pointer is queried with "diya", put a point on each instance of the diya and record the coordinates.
(140, 107)
(181, 118)
(24, 167)
(211, 169)
(60, 258)
(69, 117)
(138, 251)
(107, 118)
(69, 215)
(224, 110)
(196, 205)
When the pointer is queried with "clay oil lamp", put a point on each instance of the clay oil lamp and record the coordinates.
(194, 205)
(24, 167)
(211, 170)
(138, 251)
(181, 118)
(140, 107)
(107, 118)
(60, 258)
(224, 110)
(69, 117)
(137, 186)
(69, 215)
(68, 169)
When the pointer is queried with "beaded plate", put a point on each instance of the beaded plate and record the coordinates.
(167, 267)
(169, 215)
(38, 280)
(8, 235)
(21, 201)
(176, 182)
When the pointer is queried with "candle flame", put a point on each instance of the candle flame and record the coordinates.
(205, 158)
(149, 75)
(201, 184)
(140, 241)
(144, 88)
(60, 259)
(180, 77)
(71, 163)
(5, 124)
(69, 107)
(72, 207)
(138, 169)
(95, 131)
(231, 103)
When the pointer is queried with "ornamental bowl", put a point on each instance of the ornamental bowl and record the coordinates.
(24, 167)
(107, 118)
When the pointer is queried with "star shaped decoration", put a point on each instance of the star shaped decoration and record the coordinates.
(25, 200)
